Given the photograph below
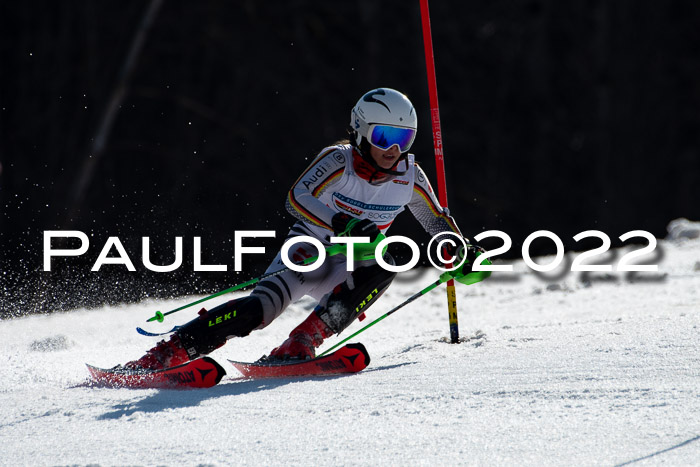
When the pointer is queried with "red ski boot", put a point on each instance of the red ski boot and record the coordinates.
(163, 355)
(303, 340)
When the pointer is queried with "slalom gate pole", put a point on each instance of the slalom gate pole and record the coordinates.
(439, 156)
(443, 278)
(361, 253)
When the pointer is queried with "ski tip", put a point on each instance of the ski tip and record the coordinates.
(143, 332)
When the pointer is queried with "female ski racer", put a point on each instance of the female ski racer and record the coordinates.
(355, 188)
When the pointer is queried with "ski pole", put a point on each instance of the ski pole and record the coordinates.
(444, 277)
(469, 278)
(160, 316)
(362, 252)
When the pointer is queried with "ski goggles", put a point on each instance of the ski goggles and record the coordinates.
(385, 136)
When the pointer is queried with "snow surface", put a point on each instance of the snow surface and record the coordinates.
(604, 370)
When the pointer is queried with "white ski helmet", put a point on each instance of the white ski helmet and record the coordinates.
(384, 117)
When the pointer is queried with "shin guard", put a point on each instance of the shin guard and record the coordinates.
(208, 332)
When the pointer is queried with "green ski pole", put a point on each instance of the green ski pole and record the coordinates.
(443, 278)
(361, 252)
(467, 279)
(160, 316)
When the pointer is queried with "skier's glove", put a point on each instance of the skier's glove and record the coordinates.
(345, 225)
(465, 274)
(452, 248)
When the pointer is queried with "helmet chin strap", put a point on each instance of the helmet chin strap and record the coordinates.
(372, 173)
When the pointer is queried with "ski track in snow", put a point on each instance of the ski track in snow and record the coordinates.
(560, 373)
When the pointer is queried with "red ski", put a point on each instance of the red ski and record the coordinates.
(350, 358)
(201, 373)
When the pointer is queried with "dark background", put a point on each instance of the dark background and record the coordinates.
(177, 118)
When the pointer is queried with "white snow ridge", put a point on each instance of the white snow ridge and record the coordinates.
(595, 370)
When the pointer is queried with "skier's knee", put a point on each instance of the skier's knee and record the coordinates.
(274, 298)
(354, 296)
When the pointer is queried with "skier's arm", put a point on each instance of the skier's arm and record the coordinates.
(426, 208)
(302, 200)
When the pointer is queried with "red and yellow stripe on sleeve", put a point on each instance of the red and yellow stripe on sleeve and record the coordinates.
(306, 214)
(334, 176)
(437, 212)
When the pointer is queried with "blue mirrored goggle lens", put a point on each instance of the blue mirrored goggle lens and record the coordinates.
(384, 137)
